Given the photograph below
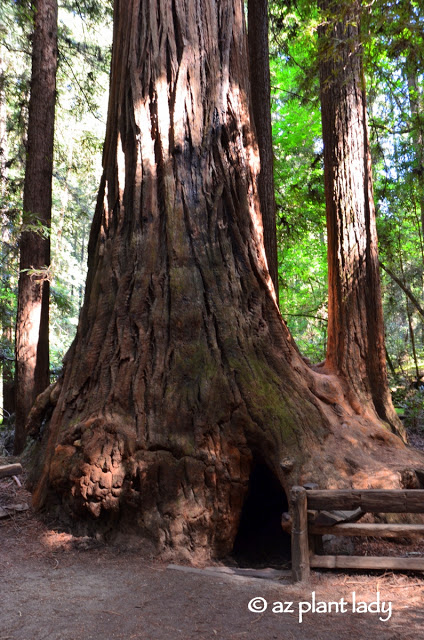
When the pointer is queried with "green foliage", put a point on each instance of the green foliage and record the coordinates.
(303, 293)
(83, 82)
(15, 25)
(298, 162)
(409, 399)
(394, 54)
(82, 89)
(394, 64)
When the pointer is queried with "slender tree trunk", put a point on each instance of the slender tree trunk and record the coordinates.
(261, 106)
(411, 333)
(355, 347)
(390, 363)
(412, 339)
(182, 375)
(407, 291)
(32, 324)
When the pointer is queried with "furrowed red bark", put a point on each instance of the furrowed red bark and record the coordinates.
(182, 375)
(32, 323)
(355, 347)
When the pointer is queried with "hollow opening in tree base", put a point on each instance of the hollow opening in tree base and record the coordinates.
(260, 540)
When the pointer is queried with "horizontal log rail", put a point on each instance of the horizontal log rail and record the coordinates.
(8, 470)
(367, 562)
(365, 529)
(371, 501)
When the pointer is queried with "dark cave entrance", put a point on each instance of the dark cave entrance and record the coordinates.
(260, 540)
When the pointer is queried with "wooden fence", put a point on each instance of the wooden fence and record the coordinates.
(10, 470)
(371, 501)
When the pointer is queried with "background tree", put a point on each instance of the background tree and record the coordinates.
(5, 319)
(81, 105)
(183, 376)
(261, 107)
(85, 37)
(297, 137)
(355, 347)
(395, 62)
(32, 322)
(15, 85)
(391, 36)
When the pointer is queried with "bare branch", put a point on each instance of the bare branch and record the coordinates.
(404, 288)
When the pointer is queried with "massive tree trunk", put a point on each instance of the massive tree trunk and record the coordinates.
(32, 323)
(355, 347)
(182, 376)
(260, 85)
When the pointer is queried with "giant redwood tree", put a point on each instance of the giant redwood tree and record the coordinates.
(183, 376)
(355, 347)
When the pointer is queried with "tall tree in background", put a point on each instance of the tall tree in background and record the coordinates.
(411, 47)
(32, 324)
(3, 133)
(182, 376)
(261, 107)
(355, 348)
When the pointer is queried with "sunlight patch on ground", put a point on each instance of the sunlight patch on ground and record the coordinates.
(55, 541)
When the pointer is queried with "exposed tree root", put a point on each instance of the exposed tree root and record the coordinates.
(188, 498)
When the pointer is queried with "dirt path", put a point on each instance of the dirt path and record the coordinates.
(57, 587)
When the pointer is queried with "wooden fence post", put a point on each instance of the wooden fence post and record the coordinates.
(299, 540)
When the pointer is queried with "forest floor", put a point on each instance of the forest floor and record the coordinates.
(55, 586)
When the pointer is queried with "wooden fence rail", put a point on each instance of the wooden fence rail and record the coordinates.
(371, 501)
(10, 470)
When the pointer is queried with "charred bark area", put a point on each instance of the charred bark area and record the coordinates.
(32, 324)
(182, 373)
(355, 347)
